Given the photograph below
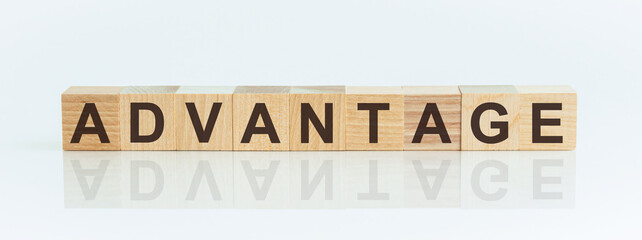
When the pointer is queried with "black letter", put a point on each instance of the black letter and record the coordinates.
(260, 110)
(502, 126)
(374, 117)
(135, 122)
(81, 128)
(203, 135)
(307, 114)
(538, 122)
(440, 128)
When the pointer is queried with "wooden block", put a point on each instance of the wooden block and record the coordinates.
(432, 118)
(148, 118)
(489, 118)
(261, 118)
(90, 118)
(203, 118)
(547, 118)
(374, 118)
(317, 118)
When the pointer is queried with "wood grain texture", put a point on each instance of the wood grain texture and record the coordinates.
(448, 101)
(262, 90)
(317, 97)
(390, 122)
(163, 97)
(474, 96)
(204, 98)
(106, 101)
(567, 116)
(276, 100)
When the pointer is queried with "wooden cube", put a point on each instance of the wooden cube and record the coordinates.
(489, 118)
(432, 117)
(261, 118)
(317, 118)
(203, 118)
(548, 117)
(148, 118)
(90, 118)
(374, 118)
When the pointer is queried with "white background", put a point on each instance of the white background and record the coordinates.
(595, 46)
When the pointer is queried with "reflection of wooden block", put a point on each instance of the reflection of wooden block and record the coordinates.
(372, 180)
(93, 179)
(205, 179)
(432, 118)
(490, 179)
(548, 116)
(149, 179)
(148, 118)
(90, 118)
(315, 179)
(261, 180)
(203, 118)
(489, 116)
(319, 111)
(432, 179)
(374, 118)
(261, 118)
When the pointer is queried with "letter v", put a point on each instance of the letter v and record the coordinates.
(203, 134)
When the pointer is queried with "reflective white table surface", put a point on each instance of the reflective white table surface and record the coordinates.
(325, 180)
(277, 195)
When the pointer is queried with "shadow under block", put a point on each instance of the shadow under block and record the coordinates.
(320, 109)
(148, 118)
(374, 118)
(89, 114)
(203, 118)
(261, 118)
(547, 118)
(432, 118)
(489, 118)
